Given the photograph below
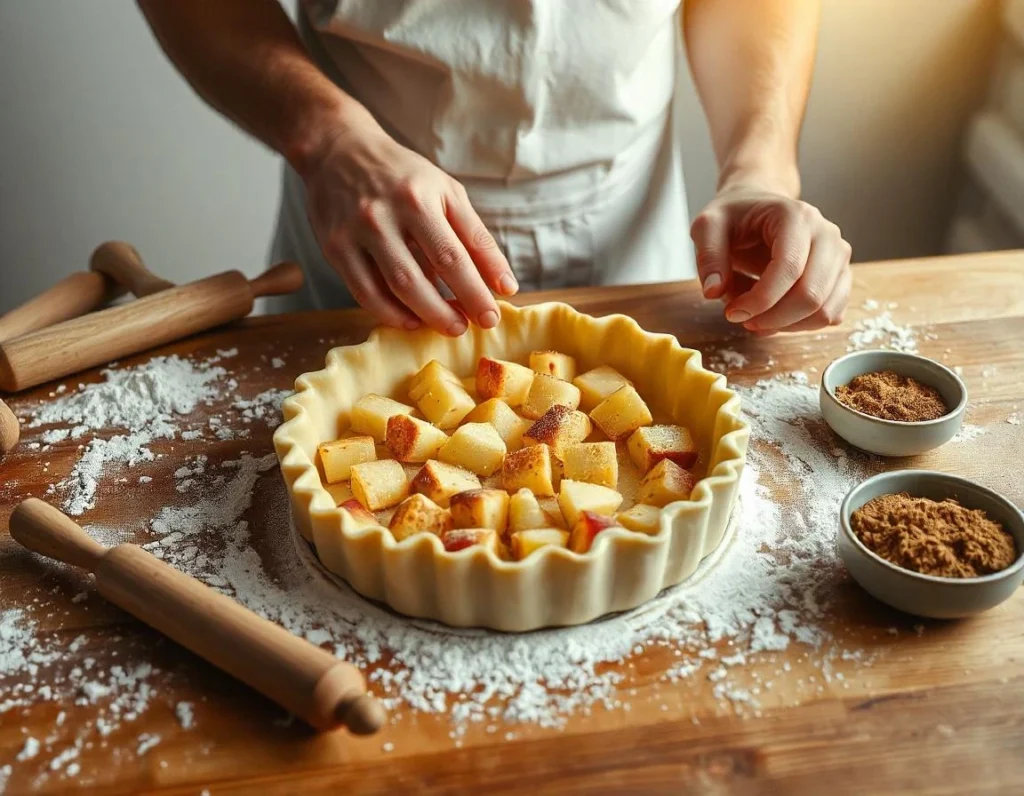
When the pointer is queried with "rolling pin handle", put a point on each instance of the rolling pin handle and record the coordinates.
(122, 263)
(10, 430)
(42, 528)
(278, 280)
(362, 715)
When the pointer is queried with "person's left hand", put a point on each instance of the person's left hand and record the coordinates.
(779, 265)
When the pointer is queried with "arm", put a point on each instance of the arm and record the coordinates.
(368, 196)
(775, 260)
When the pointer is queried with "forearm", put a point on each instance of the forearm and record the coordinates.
(752, 65)
(245, 59)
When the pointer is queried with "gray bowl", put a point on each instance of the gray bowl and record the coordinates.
(927, 595)
(892, 437)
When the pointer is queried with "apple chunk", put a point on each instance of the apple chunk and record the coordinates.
(666, 483)
(547, 391)
(641, 518)
(593, 462)
(379, 485)
(337, 457)
(528, 468)
(464, 538)
(588, 525)
(559, 428)
(621, 413)
(496, 378)
(561, 366)
(530, 541)
(419, 514)
(477, 447)
(576, 497)
(371, 412)
(360, 516)
(597, 384)
(439, 481)
(480, 508)
(413, 440)
(649, 445)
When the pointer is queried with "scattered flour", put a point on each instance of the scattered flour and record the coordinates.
(146, 741)
(726, 360)
(881, 331)
(968, 432)
(185, 714)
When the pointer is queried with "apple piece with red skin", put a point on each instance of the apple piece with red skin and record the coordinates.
(464, 538)
(362, 517)
(588, 526)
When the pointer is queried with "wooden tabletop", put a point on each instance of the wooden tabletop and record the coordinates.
(940, 710)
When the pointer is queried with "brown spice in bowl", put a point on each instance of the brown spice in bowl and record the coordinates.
(890, 396)
(934, 538)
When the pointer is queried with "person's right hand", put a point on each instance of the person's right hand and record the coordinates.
(389, 221)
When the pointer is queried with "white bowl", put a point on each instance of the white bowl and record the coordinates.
(892, 437)
(928, 595)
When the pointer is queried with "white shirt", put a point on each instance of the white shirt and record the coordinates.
(557, 115)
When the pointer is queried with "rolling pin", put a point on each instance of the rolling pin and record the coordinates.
(145, 323)
(301, 677)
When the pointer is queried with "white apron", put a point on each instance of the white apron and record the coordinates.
(558, 116)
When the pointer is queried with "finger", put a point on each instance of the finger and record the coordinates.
(738, 285)
(710, 235)
(825, 264)
(790, 246)
(483, 249)
(405, 278)
(831, 314)
(370, 291)
(451, 262)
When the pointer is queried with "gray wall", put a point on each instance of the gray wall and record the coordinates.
(101, 139)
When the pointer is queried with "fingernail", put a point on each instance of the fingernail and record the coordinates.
(508, 284)
(488, 319)
(411, 325)
(737, 316)
(713, 282)
(457, 328)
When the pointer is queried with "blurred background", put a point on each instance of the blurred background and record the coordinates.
(912, 142)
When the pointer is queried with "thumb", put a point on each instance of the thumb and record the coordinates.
(710, 234)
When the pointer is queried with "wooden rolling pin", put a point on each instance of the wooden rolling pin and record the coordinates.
(145, 323)
(303, 678)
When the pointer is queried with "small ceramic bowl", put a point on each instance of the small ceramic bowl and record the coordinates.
(892, 437)
(927, 595)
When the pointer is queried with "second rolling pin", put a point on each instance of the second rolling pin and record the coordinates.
(145, 323)
(307, 680)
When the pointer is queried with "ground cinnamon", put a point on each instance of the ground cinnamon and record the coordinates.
(890, 396)
(934, 538)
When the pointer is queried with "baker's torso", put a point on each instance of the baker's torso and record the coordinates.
(557, 116)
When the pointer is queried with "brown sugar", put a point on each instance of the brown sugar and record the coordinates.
(890, 396)
(933, 538)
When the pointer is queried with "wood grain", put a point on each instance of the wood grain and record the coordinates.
(939, 710)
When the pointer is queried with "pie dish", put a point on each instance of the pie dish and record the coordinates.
(552, 586)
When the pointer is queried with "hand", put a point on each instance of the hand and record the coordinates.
(777, 262)
(391, 223)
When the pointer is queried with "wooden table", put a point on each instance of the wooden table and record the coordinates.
(939, 711)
